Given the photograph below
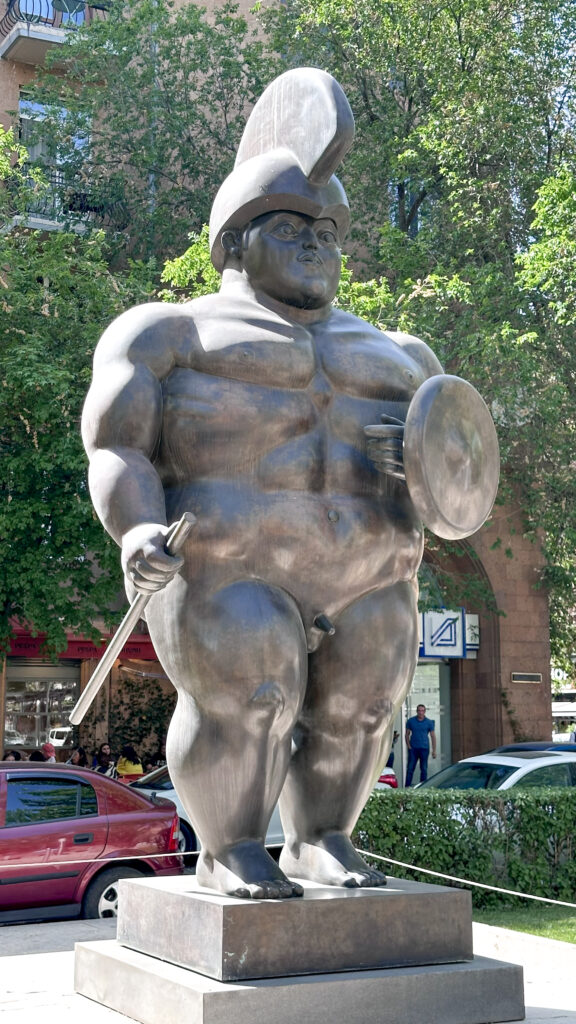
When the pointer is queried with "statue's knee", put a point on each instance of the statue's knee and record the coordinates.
(376, 715)
(272, 703)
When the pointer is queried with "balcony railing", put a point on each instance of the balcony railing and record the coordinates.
(30, 17)
(63, 201)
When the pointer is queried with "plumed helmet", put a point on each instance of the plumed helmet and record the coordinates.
(299, 131)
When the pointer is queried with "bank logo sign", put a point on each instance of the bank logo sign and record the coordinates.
(443, 634)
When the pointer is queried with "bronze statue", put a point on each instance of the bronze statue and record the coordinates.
(289, 626)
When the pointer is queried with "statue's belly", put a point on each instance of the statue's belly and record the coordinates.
(283, 490)
(325, 549)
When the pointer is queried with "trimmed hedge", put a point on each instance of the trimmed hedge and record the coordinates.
(516, 840)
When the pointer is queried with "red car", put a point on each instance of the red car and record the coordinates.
(68, 834)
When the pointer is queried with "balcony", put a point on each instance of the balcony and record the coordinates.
(30, 28)
(66, 202)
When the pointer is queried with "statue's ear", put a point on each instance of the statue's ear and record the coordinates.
(232, 242)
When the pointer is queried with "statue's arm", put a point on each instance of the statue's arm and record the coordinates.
(121, 425)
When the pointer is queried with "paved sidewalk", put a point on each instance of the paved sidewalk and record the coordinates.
(36, 973)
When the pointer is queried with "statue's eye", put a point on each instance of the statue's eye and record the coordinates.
(285, 230)
(328, 237)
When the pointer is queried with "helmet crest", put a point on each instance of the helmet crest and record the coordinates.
(295, 137)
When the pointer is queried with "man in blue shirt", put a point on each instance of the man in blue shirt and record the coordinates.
(419, 734)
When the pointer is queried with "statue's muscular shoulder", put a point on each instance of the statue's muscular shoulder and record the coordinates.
(419, 351)
(157, 335)
(381, 363)
(206, 334)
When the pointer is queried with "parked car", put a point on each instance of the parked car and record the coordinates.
(524, 768)
(60, 737)
(67, 835)
(159, 782)
(511, 748)
(387, 779)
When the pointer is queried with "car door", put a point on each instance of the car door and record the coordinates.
(50, 825)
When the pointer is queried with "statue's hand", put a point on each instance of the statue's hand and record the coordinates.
(144, 558)
(385, 446)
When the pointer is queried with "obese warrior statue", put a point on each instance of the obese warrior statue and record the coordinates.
(310, 447)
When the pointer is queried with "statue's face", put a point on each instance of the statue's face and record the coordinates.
(293, 258)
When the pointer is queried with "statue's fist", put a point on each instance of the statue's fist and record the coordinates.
(145, 560)
(385, 446)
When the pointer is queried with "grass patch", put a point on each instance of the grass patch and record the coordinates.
(537, 919)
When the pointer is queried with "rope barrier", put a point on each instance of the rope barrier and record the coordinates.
(464, 881)
(149, 854)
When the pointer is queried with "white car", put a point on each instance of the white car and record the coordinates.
(524, 768)
(60, 737)
(159, 782)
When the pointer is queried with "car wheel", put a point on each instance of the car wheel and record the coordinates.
(101, 899)
(186, 839)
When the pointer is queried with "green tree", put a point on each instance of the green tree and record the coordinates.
(464, 110)
(58, 571)
(147, 120)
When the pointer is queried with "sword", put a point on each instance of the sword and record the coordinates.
(174, 541)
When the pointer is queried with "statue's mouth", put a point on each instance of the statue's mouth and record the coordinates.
(310, 257)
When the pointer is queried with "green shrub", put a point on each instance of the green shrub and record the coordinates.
(514, 840)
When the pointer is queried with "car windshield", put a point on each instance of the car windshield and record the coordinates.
(470, 775)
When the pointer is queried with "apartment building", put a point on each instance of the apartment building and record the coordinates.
(484, 677)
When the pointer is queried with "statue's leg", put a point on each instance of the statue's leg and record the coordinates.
(239, 662)
(358, 678)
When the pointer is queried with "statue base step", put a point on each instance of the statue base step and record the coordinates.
(150, 991)
(328, 929)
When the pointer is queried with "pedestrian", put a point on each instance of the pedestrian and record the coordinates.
(419, 736)
(103, 761)
(129, 763)
(49, 752)
(78, 758)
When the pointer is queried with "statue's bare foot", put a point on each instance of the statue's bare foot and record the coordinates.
(247, 870)
(332, 860)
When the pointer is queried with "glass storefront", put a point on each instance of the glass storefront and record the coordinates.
(39, 699)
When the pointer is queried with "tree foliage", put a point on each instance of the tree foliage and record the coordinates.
(147, 120)
(465, 114)
(57, 294)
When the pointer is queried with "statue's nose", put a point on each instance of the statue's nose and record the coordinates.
(309, 240)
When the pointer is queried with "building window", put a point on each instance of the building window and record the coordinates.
(39, 699)
(59, 200)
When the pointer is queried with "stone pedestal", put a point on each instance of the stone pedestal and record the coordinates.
(329, 929)
(334, 957)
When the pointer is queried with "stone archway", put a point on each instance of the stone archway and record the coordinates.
(475, 685)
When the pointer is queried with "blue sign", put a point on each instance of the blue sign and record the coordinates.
(443, 634)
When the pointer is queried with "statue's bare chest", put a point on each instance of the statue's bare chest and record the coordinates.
(349, 358)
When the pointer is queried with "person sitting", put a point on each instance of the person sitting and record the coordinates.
(11, 755)
(49, 752)
(78, 758)
(37, 755)
(103, 761)
(129, 763)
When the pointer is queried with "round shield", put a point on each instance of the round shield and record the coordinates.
(451, 457)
